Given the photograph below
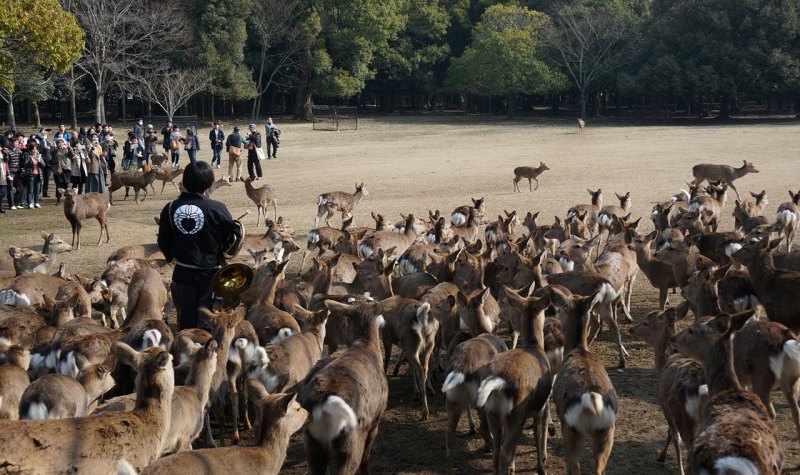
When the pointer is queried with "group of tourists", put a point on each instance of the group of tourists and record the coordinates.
(85, 158)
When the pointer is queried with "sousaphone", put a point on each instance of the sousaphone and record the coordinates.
(232, 279)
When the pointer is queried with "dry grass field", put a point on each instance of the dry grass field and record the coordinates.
(416, 164)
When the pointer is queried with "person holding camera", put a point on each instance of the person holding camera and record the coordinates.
(217, 138)
(193, 231)
(61, 163)
(253, 146)
(273, 138)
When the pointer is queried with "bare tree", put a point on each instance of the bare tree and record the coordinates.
(30, 83)
(589, 43)
(121, 35)
(275, 24)
(168, 87)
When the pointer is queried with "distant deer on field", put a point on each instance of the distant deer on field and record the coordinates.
(530, 173)
(581, 126)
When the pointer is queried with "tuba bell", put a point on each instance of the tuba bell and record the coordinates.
(232, 279)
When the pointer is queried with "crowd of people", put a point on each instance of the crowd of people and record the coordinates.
(84, 159)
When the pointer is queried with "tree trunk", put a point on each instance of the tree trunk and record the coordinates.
(725, 107)
(510, 105)
(582, 102)
(36, 116)
(98, 108)
(28, 112)
(212, 108)
(124, 111)
(73, 108)
(12, 120)
(555, 104)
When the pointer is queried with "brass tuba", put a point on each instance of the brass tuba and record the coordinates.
(232, 279)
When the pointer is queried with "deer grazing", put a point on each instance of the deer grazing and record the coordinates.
(346, 397)
(736, 434)
(585, 399)
(788, 216)
(78, 208)
(517, 385)
(531, 173)
(262, 197)
(328, 203)
(728, 174)
(50, 446)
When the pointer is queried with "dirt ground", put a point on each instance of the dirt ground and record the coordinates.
(416, 164)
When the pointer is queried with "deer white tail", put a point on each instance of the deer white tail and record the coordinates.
(500, 404)
(151, 339)
(12, 297)
(37, 411)
(331, 418)
(590, 413)
(786, 217)
(731, 248)
(453, 379)
(422, 322)
(282, 333)
(458, 219)
(365, 250)
(125, 468)
(313, 236)
(737, 465)
(786, 360)
(321, 200)
(69, 367)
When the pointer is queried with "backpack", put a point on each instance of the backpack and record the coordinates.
(174, 145)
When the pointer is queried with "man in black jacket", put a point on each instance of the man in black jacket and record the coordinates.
(193, 229)
(253, 143)
(217, 138)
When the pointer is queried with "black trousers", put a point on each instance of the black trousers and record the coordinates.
(62, 182)
(253, 161)
(48, 172)
(272, 145)
(186, 299)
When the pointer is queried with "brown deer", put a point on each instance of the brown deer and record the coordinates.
(728, 174)
(262, 197)
(29, 261)
(788, 216)
(658, 272)
(346, 398)
(460, 215)
(531, 173)
(13, 381)
(517, 385)
(609, 217)
(586, 401)
(736, 434)
(78, 208)
(283, 416)
(711, 205)
(388, 240)
(590, 210)
(50, 446)
(167, 175)
(328, 203)
(681, 390)
(746, 210)
(138, 180)
(466, 368)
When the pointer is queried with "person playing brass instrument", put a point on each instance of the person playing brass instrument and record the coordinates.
(193, 231)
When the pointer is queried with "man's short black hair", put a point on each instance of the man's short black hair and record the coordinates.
(198, 177)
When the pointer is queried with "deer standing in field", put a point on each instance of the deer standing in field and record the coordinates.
(262, 197)
(531, 173)
(788, 216)
(328, 203)
(517, 385)
(78, 208)
(681, 390)
(586, 401)
(736, 434)
(466, 368)
(347, 397)
(728, 174)
(167, 176)
(581, 125)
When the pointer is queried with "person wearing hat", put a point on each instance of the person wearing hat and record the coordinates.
(233, 145)
(150, 143)
(253, 144)
(217, 138)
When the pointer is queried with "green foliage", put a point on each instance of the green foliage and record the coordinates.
(40, 33)
(221, 35)
(505, 56)
(351, 35)
(721, 47)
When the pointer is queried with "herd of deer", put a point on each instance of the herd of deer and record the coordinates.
(79, 395)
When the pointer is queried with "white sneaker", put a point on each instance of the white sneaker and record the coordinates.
(13, 207)
(37, 205)
(30, 205)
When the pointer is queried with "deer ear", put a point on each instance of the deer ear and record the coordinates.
(738, 320)
(559, 298)
(537, 259)
(451, 301)
(514, 298)
(775, 243)
(163, 359)
(335, 306)
(682, 310)
(126, 354)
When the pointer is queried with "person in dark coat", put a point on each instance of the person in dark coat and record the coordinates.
(273, 139)
(192, 231)
(253, 144)
(217, 139)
